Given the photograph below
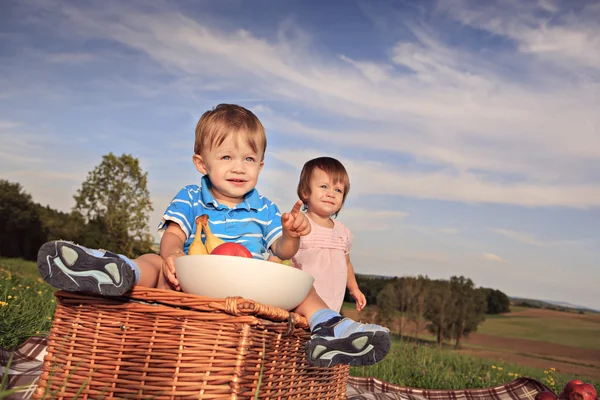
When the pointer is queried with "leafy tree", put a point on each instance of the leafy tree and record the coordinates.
(417, 311)
(470, 305)
(497, 301)
(387, 305)
(22, 231)
(439, 310)
(115, 203)
(61, 225)
(406, 296)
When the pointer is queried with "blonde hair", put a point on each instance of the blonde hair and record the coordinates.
(224, 120)
(332, 167)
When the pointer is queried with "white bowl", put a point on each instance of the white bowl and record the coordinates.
(226, 276)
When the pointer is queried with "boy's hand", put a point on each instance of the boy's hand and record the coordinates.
(361, 300)
(168, 269)
(295, 223)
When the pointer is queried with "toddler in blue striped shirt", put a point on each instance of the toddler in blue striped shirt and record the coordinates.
(229, 151)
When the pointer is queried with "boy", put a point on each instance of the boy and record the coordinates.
(229, 151)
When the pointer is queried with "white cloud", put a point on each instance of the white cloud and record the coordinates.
(72, 58)
(567, 38)
(449, 231)
(427, 257)
(492, 257)
(522, 237)
(491, 138)
(8, 124)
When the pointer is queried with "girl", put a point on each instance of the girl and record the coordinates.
(325, 251)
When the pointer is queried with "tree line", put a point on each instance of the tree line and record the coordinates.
(111, 211)
(448, 309)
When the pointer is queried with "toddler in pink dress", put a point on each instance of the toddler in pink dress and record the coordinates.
(325, 251)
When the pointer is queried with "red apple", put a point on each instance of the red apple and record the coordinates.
(545, 395)
(232, 249)
(578, 390)
(583, 392)
(565, 394)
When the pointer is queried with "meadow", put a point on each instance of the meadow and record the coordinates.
(27, 305)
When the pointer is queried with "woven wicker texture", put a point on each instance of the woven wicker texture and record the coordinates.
(156, 344)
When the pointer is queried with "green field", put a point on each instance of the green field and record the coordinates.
(568, 329)
(27, 305)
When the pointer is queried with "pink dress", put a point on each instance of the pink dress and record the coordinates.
(322, 254)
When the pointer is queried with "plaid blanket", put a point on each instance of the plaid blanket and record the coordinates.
(375, 389)
(25, 368)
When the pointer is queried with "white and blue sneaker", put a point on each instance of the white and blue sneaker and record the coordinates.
(356, 345)
(75, 268)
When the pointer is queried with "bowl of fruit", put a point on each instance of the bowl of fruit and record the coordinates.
(224, 269)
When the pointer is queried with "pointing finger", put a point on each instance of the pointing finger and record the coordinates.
(296, 208)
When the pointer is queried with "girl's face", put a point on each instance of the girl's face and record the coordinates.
(326, 196)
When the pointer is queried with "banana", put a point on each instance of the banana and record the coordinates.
(211, 241)
(197, 247)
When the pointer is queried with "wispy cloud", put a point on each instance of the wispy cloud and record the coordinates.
(540, 28)
(8, 124)
(471, 120)
(449, 231)
(493, 257)
(522, 237)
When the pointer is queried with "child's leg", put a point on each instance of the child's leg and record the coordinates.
(71, 267)
(337, 340)
(151, 275)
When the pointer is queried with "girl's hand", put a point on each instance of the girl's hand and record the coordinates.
(168, 269)
(361, 300)
(295, 223)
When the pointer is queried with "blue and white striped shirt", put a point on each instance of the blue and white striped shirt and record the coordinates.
(254, 223)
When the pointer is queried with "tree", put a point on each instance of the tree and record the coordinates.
(386, 305)
(497, 301)
(115, 203)
(417, 311)
(61, 225)
(405, 290)
(439, 310)
(22, 231)
(470, 305)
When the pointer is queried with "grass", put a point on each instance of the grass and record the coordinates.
(425, 366)
(26, 302)
(27, 305)
(567, 330)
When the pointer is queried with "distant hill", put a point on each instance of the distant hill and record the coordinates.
(551, 305)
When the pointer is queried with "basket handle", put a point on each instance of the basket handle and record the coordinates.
(236, 306)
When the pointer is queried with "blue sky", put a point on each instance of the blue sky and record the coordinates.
(469, 129)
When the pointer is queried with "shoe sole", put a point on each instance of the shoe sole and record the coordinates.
(68, 267)
(358, 349)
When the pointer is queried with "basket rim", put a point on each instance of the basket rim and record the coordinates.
(235, 306)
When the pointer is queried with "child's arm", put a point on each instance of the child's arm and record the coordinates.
(294, 224)
(352, 285)
(171, 247)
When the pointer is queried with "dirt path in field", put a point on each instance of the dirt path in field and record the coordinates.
(534, 347)
(533, 353)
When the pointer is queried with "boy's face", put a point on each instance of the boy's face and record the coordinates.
(232, 168)
(326, 196)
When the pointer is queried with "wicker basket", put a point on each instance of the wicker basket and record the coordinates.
(156, 344)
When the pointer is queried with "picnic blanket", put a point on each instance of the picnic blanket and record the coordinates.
(26, 364)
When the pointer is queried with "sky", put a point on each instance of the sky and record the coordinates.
(470, 130)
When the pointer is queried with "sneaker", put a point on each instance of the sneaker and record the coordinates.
(368, 345)
(75, 268)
